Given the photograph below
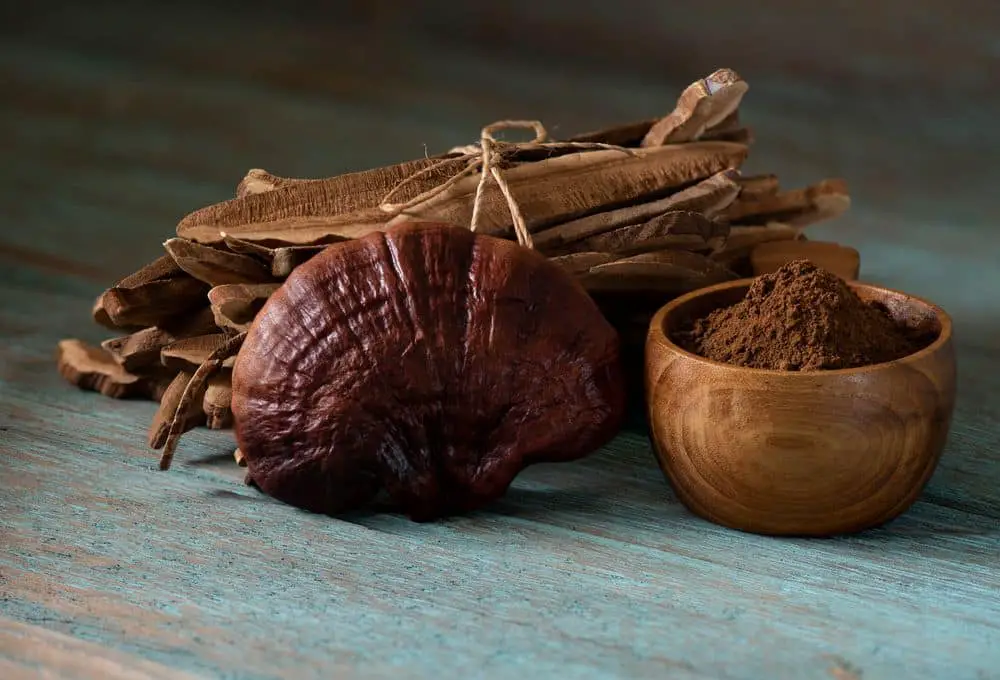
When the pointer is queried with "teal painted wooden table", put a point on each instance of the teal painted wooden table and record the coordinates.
(114, 124)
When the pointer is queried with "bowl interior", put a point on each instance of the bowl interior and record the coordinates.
(926, 320)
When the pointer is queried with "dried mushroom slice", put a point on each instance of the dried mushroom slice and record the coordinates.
(190, 353)
(340, 195)
(235, 306)
(581, 263)
(159, 270)
(665, 272)
(430, 362)
(215, 266)
(563, 188)
(703, 104)
(93, 368)
(707, 197)
(683, 230)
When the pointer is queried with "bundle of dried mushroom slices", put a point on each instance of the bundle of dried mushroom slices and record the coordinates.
(666, 213)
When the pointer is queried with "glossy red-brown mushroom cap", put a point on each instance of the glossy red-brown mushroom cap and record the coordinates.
(427, 361)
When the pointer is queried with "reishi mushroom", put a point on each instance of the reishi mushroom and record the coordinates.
(428, 362)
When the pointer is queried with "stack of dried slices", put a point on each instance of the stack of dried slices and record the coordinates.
(639, 213)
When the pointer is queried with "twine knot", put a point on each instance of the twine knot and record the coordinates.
(488, 158)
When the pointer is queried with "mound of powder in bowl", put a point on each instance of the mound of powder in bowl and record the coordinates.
(801, 318)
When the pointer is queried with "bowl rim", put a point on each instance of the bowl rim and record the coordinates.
(657, 333)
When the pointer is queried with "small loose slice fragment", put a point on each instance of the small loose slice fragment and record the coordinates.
(703, 104)
(240, 459)
(93, 368)
(235, 306)
(190, 353)
(217, 402)
(681, 230)
(841, 260)
(708, 197)
(160, 426)
(215, 266)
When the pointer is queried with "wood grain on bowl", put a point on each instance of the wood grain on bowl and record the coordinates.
(798, 453)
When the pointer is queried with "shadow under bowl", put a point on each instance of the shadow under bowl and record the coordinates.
(810, 453)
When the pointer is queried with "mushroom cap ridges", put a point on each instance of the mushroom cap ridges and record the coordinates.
(428, 361)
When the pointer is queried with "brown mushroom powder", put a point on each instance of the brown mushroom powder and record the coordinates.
(800, 318)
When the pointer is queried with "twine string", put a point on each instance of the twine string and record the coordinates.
(488, 158)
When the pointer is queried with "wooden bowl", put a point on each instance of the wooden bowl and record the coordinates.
(798, 453)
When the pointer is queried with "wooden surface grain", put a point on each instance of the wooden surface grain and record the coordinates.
(115, 122)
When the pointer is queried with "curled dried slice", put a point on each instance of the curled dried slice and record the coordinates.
(703, 104)
(428, 361)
